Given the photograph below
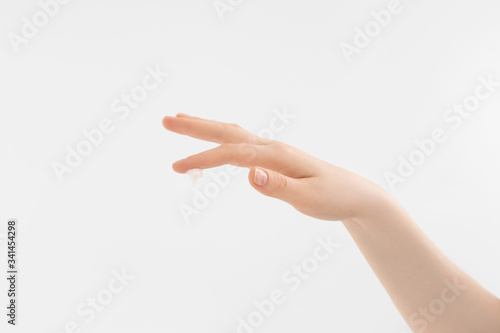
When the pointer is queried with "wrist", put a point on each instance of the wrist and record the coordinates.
(375, 205)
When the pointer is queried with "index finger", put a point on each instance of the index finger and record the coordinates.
(209, 130)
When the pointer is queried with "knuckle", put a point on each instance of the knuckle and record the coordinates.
(262, 141)
(248, 153)
(228, 152)
(221, 133)
(281, 183)
(281, 147)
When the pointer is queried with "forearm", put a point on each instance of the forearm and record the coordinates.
(430, 292)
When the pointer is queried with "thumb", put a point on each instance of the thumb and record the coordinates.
(274, 184)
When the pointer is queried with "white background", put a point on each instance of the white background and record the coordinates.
(120, 208)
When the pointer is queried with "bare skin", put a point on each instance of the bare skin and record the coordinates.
(431, 293)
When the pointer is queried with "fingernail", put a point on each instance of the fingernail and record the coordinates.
(183, 115)
(260, 177)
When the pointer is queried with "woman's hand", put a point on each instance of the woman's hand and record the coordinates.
(310, 185)
(411, 268)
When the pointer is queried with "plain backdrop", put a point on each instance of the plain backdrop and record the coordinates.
(119, 209)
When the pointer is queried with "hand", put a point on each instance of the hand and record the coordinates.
(312, 186)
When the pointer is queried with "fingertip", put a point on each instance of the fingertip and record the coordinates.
(167, 122)
(177, 167)
(251, 174)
